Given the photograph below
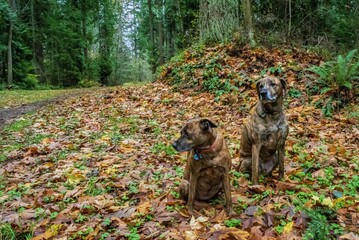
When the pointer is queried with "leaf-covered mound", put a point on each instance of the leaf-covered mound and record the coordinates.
(101, 166)
(227, 68)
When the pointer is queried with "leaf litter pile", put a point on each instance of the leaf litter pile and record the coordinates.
(101, 166)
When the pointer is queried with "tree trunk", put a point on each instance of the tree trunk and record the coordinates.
(37, 49)
(160, 33)
(84, 32)
(180, 28)
(217, 20)
(10, 78)
(135, 33)
(9, 57)
(246, 6)
(149, 4)
(290, 17)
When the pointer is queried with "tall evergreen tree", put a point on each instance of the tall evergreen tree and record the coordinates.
(218, 20)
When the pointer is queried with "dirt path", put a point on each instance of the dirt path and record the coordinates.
(7, 115)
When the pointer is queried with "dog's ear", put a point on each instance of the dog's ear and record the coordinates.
(257, 87)
(207, 124)
(284, 86)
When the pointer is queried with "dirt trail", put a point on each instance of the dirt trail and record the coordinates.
(7, 115)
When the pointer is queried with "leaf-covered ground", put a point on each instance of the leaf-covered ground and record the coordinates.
(100, 166)
(13, 98)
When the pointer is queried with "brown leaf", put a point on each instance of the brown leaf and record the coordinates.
(230, 233)
(286, 186)
(250, 211)
(257, 188)
(349, 236)
(124, 212)
(269, 218)
(256, 233)
(28, 214)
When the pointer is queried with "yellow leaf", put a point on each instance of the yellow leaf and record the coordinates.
(105, 138)
(111, 170)
(315, 198)
(327, 202)
(46, 141)
(50, 232)
(288, 227)
(144, 208)
(126, 148)
(48, 165)
(75, 178)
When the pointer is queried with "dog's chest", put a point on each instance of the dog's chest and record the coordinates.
(274, 135)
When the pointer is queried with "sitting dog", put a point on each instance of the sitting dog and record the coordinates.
(208, 163)
(265, 131)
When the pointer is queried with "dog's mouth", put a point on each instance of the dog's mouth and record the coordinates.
(268, 98)
(180, 148)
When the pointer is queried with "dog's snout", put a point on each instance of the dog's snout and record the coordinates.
(175, 144)
(264, 93)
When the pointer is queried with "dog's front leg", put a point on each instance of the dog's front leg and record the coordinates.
(255, 163)
(192, 192)
(281, 161)
(227, 193)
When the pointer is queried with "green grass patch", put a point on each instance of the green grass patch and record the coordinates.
(161, 147)
(7, 232)
(2, 157)
(18, 125)
(13, 98)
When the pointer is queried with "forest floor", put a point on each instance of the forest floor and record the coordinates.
(100, 165)
(18, 102)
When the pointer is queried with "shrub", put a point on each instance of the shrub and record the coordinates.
(321, 226)
(85, 83)
(335, 80)
(28, 82)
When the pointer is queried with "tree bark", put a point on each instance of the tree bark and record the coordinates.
(217, 20)
(246, 6)
(149, 4)
(37, 49)
(10, 78)
(290, 17)
(160, 33)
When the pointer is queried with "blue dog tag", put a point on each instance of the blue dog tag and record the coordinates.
(197, 156)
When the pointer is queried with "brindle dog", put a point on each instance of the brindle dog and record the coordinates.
(265, 131)
(208, 163)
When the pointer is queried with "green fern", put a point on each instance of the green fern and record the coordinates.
(335, 80)
(321, 225)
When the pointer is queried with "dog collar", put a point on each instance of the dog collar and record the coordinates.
(211, 148)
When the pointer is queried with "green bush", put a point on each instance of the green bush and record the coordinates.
(29, 82)
(86, 83)
(335, 80)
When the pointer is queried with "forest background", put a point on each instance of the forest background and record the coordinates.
(66, 43)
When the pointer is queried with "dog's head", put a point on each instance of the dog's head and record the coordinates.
(195, 132)
(270, 89)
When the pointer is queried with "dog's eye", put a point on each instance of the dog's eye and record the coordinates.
(273, 84)
(261, 86)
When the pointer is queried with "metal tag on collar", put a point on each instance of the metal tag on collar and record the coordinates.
(197, 156)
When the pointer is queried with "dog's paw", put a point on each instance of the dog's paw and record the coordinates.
(190, 210)
(231, 213)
